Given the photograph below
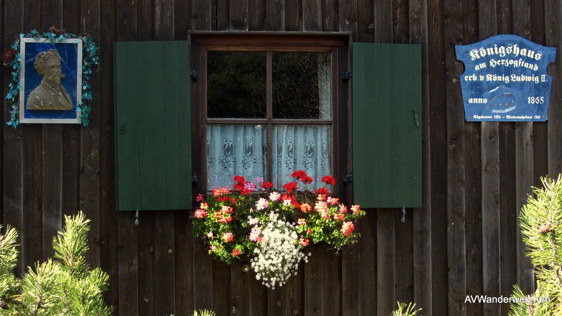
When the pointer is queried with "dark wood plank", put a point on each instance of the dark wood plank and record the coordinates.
(146, 19)
(164, 263)
(258, 294)
(163, 20)
(221, 16)
(90, 144)
(554, 38)
(52, 151)
(404, 256)
(508, 213)
(239, 289)
(523, 154)
(456, 239)
(293, 15)
(238, 10)
(330, 15)
(368, 264)
(348, 17)
(108, 230)
(438, 131)
(490, 186)
(71, 132)
(421, 238)
(201, 19)
(331, 283)
(295, 292)
(127, 237)
(257, 14)
(12, 149)
(277, 301)
(184, 264)
(274, 13)
(365, 21)
(383, 21)
(386, 261)
(182, 19)
(222, 289)
(313, 290)
(312, 15)
(32, 165)
(400, 21)
(146, 262)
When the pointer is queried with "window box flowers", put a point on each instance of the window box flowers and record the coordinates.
(273, 228)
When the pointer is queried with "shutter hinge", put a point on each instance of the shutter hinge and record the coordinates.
(346, 75)
(193, 75)
(348, 178)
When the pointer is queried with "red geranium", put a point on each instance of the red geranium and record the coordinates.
(289, 187)
(239, 179)
(306, 179)
(329, 180)
(267, 185)
(299, 174)
(323, 191)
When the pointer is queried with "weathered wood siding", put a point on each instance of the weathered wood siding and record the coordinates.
(465, 240)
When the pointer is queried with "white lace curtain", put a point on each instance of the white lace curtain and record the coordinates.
(241, 149)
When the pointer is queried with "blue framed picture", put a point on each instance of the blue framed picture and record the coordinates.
(50, 80)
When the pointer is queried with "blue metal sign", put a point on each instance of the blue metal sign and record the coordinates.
(505, 79)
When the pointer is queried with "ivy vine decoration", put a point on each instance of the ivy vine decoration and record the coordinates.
(90, 61)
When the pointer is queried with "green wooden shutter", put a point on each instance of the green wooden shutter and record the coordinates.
(152, 91)
(387, 133)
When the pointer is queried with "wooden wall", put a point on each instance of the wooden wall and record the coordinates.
(476, 175)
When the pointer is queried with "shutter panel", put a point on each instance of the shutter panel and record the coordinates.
(387, 133)
(152, 125)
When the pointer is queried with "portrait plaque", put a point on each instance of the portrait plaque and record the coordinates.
(505, 79)
(50, 80)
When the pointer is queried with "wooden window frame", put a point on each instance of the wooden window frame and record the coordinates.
(337, 44)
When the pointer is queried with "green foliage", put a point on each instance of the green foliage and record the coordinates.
(63, 286)
(537, 305)
(541, 220)
(406, 310)
(9, 284)
(204, 312)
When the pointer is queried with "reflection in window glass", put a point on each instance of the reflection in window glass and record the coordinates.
(307, 148)
(236, 84)
(235, 150)
(301, 85)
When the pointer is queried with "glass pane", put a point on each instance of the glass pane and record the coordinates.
(235, 150)
(236, 84)
(307, 148)
(302, 85)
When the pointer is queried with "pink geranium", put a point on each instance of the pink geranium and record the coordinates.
(228, 237)
(347, 229)
(355, 209)
(200, 214)
(261, 204)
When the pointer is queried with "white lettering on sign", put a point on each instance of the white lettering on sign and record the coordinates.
(502, 51)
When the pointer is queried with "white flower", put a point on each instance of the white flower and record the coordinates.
(274, 196)
(278, 254)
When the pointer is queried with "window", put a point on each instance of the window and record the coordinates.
(267, 107)
(262, 99)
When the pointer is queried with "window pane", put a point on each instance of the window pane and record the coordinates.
(236, 84)
(301, 85)
(307, 148)
(235, 150)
